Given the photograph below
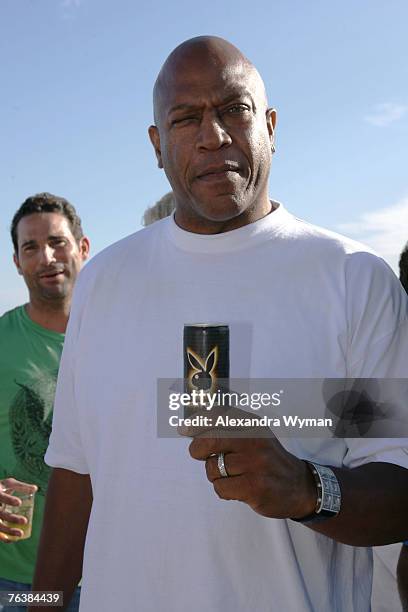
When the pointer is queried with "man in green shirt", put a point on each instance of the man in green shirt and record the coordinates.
(49, 250)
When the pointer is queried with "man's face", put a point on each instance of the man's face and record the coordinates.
(213, 139)
(49, 258)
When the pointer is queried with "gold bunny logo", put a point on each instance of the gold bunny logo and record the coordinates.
(201, 375)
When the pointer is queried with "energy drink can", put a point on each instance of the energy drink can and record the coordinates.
(206, 356)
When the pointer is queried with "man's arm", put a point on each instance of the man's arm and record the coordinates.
(67, 509)
(277, 484)
(374, 506)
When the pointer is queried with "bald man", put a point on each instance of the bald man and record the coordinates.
(300, 302)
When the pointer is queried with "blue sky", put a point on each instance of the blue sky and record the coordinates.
(76, 80)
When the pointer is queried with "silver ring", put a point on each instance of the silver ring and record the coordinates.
(221, 465)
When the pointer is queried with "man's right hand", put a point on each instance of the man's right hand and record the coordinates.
(13, 519)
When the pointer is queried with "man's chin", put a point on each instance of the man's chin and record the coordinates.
(54, 298)
(220, 209)
(55, 294)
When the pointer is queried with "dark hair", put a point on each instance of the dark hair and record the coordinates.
(46, 203)
(403, 266)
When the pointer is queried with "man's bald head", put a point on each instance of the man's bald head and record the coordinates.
(199, 51)
(214, 135)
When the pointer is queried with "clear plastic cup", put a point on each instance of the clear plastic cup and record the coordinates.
(26, 509)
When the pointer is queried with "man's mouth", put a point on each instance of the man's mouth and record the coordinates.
(52, 274)
(226, 171)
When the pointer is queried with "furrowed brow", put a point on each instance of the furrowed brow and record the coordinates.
(182, 107)
(233, 97)
(236, 96)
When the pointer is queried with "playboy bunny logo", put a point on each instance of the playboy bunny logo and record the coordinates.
(201, 375)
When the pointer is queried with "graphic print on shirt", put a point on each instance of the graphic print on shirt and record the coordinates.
(30, 418)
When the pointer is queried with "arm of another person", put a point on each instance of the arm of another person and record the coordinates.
(7, 487)
(402, 576)
(67, 509)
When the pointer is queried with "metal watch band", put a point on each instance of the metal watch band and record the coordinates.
(328, 485)
(328, 494)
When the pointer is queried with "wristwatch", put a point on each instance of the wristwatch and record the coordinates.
(328, 502)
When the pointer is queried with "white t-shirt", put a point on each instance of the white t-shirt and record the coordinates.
(300, 302)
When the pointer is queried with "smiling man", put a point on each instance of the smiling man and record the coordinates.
(300, 302)
(49, 250)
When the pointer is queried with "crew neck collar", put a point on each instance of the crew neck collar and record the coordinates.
(36, 326)
(234, 240)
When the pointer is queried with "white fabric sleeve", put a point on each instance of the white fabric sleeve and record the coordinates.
(65, 448)
(378, 349)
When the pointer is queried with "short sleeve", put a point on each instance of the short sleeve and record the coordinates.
(65, 449)
(378, 349)
(377, 315)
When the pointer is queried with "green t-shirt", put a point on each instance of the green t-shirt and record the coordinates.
(29, 361)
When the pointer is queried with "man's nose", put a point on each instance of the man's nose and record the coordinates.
(47, 254)
(213, 134)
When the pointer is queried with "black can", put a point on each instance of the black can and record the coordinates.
(206, 356)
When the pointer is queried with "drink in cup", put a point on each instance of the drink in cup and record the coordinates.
(26, 509)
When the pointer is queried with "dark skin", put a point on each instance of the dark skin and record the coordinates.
(277, 484)
(60, 554)
(213, 136)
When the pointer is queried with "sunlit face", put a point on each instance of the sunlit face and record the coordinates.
(213, 139)
(49, 258)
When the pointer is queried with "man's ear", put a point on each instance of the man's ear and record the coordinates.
(17, 264)
(271, 123)
(155, 140)
(84, 246)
